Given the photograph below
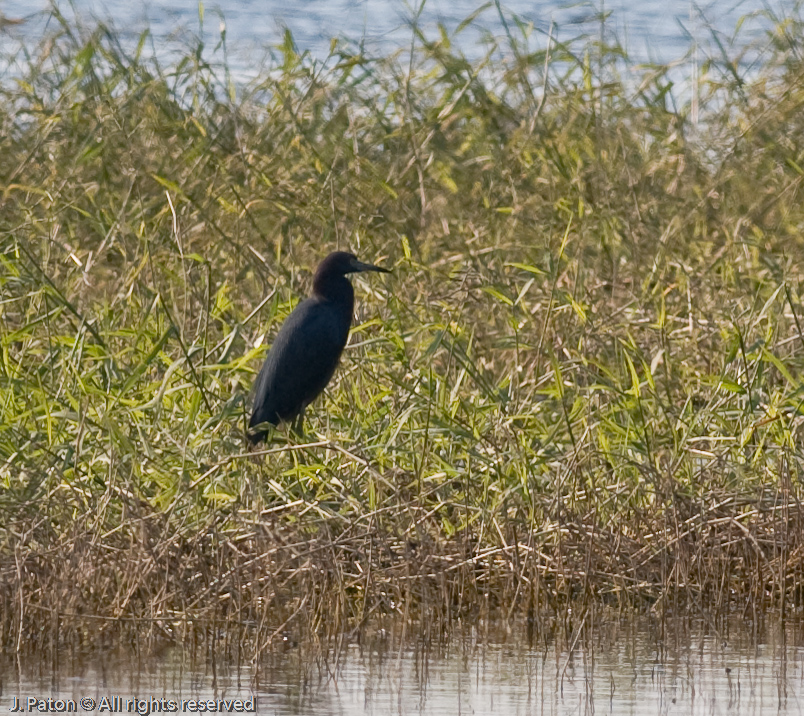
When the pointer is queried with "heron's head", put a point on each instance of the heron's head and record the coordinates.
(329, 281)
(342, 263)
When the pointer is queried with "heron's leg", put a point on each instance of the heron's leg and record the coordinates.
(297, 433)
(264, 431)
(298, 425)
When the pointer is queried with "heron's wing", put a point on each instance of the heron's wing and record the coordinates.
(301, 361)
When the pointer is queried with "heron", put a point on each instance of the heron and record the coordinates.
(308, 346)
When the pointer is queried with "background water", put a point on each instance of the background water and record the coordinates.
(650, 30)
(626, 668)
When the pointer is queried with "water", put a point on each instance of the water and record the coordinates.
(621, 669)
(651, 30)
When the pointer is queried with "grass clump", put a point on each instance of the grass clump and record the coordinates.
(583, 380)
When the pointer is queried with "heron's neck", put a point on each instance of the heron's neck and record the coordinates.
(336, 289)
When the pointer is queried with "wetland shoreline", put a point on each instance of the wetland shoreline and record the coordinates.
(582, 385)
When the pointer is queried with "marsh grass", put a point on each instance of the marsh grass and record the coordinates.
(581, 385)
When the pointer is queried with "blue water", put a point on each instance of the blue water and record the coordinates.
(650, 30)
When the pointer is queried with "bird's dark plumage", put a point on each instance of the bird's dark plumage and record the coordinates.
(309, 344)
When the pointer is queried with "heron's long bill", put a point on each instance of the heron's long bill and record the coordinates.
(360, 266)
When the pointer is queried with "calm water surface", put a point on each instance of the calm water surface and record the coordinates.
(651, 30)
(625, 669)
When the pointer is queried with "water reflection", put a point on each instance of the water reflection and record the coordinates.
(631, 668)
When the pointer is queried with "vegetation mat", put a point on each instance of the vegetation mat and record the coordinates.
(582, 383)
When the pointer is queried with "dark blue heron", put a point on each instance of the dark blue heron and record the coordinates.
(308, 346)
